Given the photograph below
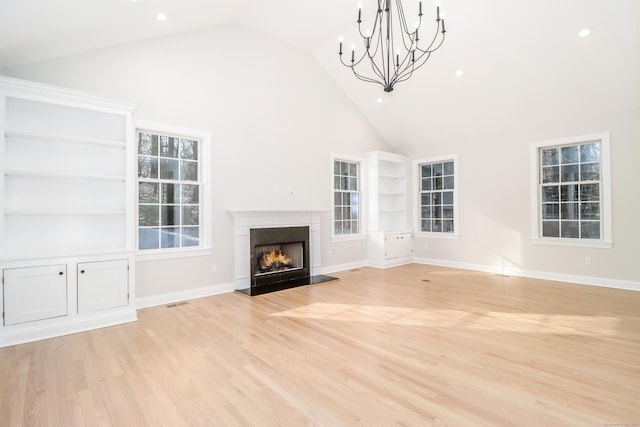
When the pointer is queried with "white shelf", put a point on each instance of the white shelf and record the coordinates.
(387, 191)
(39, 212)
(64, 176)
(64, 138)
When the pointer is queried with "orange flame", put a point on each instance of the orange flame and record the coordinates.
(273, 257)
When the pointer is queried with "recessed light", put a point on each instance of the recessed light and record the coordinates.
(459, 73)
(584, 32)
(379, 100)
(161, 17)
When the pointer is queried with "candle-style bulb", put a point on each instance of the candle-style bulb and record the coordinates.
(443, 30)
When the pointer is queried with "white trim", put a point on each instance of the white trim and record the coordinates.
(389, 263)
(348, 237)
(534, 274)
(342, 267)
(416, 202)
(60, 326)
(204, 165)
(171, 253)
(431, 235)
(168, 298)
(361, 161)
(606, 240)
(585, 243)
(42, 92)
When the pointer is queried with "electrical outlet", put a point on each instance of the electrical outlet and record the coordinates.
(214, 269)
(587, 260)
(330, 253)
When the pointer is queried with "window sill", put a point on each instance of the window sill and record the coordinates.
(572, 243)
(158, 254)
(348, 237)
(450, 236)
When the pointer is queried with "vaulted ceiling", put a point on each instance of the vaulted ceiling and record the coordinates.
(524, 64)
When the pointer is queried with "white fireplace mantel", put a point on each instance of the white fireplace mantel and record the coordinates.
(246, 219)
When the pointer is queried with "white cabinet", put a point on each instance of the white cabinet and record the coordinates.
(389, 248)
(34, 293)
(102, 285)
(67, 198)
(397, 244)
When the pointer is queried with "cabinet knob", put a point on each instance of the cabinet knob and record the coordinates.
(82, 271)
(61, 273)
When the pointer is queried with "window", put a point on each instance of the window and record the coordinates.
(171, 197)
(437, 195)
(346, 197)
(571, 194)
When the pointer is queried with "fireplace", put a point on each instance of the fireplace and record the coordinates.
(261, 223)
(280, 259)
(278, 255)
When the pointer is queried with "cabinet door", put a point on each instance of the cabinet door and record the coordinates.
(34, 293)
(397, 245)
(102, 285)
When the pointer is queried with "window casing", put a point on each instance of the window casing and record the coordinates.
(437, 196)
(571, 197)
(347, 201)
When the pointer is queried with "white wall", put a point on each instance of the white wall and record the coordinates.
(494, 203)
(274, 113)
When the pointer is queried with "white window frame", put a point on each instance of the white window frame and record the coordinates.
(605, 240)
(204, 164)
(361, 181)
(416, 194)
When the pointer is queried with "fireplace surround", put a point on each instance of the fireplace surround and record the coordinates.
(248, 222)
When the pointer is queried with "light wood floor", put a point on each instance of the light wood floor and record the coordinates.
(412, 346)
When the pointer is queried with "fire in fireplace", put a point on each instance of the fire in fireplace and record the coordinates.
(275, 259)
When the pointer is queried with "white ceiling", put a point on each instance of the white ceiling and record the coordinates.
(523, 61)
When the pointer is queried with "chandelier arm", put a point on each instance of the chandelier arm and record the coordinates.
(435, 38)
(376, 68)
(365, 78)
(403, 20)
(375, 25)
(354, 62)
(417, 66)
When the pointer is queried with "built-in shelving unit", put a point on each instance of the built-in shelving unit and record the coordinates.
(67, 176)
(389, 238)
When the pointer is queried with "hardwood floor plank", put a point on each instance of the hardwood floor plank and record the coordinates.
(412, 345)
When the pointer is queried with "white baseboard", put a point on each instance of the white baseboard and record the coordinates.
(342, 267)
(205, 291)
(510, 271)
(50, 328)
(389, 263)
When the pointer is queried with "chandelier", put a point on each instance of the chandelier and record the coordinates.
(393, 53)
